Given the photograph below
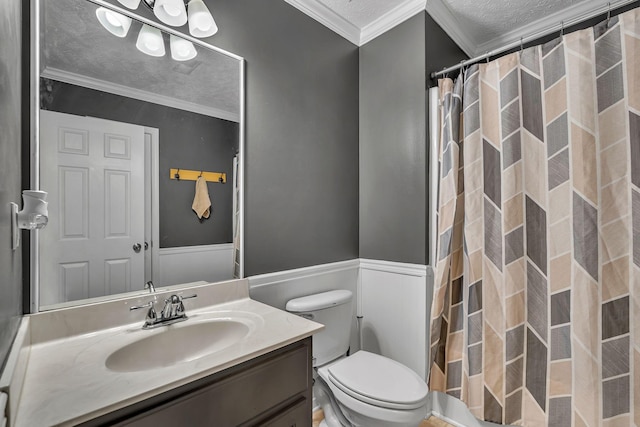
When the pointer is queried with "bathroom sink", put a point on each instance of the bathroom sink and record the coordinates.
(181, 342)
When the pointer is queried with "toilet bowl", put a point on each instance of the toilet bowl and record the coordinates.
(373, 390)
(362, 389)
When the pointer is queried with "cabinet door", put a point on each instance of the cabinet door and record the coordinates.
(274, 392)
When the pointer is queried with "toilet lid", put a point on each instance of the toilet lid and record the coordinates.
(379, 381)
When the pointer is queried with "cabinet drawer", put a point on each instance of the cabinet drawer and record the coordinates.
(238, 398)
(297, 415)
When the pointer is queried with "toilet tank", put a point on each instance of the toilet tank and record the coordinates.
(333, 310)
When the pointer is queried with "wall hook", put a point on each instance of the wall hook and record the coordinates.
(608, 13)
(200, 176)
(177, 174)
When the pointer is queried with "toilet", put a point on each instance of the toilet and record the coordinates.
(362, 389)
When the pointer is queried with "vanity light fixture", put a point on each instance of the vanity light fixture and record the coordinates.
(116, 23)
(171, 12)
(201, 22)
(131, 4)
(181, 49)
(150, 41)
(177, 12)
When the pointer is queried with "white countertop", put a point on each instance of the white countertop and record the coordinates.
(67, 381)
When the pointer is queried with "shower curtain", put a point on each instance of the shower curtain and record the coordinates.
(536, 312)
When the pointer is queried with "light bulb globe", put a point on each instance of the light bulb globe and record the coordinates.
(114, 22)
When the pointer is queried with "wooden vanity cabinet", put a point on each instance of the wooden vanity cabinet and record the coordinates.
(271, 390)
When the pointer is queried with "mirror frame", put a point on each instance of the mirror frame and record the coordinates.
(34, 135)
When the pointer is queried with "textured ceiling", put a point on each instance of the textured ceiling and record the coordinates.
(73, 41)
(485, 20)
(477, 26)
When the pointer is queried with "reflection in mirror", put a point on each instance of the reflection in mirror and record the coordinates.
(116, 117)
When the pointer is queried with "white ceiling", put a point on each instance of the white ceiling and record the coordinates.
(477, 26)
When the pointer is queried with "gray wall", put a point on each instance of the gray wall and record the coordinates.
(441, 50)
(301, 135)
(187, 140)
(10, 136)
(393, 132)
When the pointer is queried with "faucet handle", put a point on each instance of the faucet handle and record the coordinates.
(138, 307)
(151, 313)
(173, 299)
(180, 308)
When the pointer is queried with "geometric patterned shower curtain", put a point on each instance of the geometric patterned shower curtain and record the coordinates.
(536, 311)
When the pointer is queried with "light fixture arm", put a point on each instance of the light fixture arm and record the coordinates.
(151, 3)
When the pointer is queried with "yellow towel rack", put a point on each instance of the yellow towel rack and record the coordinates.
(191, 175)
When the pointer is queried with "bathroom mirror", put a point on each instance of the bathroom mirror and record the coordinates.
(122, 138)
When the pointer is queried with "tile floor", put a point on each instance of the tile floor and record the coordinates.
(434, 422)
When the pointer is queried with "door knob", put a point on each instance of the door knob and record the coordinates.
(137, 247)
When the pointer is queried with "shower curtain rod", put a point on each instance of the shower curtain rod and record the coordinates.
(607, 8)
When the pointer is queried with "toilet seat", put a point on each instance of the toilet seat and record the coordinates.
(378, 381)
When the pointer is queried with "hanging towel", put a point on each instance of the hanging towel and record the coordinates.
(201, 202)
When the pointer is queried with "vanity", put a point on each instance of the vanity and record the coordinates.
(233, 362)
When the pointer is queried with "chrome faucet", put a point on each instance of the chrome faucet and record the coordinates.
(149, 285)
(172, 312)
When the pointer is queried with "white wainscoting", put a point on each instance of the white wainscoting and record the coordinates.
(211, 263)
(395, 303)
(275, 289)
(393, 298)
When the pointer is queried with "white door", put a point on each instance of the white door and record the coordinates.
(93, 170)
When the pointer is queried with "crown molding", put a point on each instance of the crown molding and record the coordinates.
(328, 18)
(547, 25)
(397, 16)
(142, 95)
(447, 20)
